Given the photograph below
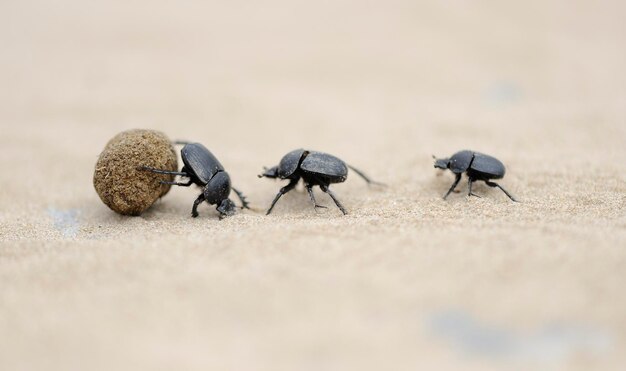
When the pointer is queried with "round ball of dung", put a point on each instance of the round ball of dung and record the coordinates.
(118, 178)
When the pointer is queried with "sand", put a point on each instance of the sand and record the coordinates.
(405, 281)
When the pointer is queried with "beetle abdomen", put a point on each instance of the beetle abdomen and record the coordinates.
(487, 166)
(199, 161)
(325, 164)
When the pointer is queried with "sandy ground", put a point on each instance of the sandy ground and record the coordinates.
(406, 280)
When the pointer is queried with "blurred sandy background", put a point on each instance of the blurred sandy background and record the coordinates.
(406, 281)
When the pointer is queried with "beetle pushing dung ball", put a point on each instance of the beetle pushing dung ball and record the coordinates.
(137, 167)
(203, 169)
(477, 166)
(315, 169)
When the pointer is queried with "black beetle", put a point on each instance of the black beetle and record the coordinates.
(478, 166)
(203, 169)
(316, 169)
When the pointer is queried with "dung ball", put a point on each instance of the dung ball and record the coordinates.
(119, 182)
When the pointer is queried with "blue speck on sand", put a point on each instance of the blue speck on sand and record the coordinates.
(65, 221)
(553, 342)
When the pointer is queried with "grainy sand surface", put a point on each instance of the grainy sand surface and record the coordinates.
(406, 281)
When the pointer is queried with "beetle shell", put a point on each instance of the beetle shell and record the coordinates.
(200, 162)
(325, 165)
(485, 166)
(289, 163)
(460, 161)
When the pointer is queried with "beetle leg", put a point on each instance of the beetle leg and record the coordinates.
(285, 189)
(242, 198)
(470, 181)
(159, 171)
(309, 189)
(494, 184)
(198, 201)
(190, 182)
(365, 177)
(456, 182)
(332, 195)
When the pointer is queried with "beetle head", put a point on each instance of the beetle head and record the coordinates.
(270, 173)
(441, 163)
(226, 208)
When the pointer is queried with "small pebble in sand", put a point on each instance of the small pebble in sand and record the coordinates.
(119, 183)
